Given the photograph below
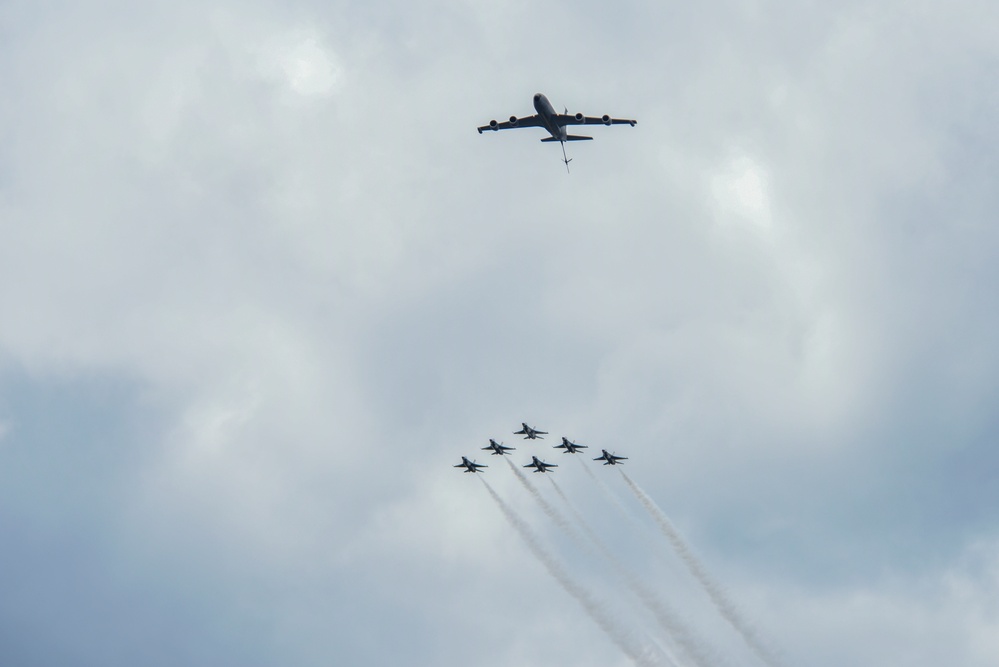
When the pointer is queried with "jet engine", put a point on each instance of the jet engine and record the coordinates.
(513, 121)
(579, 117)
(605, 119)
(493, 124)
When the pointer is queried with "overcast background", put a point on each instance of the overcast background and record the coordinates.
(262, 284)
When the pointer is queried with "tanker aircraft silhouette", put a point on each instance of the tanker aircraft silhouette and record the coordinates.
(555, 123)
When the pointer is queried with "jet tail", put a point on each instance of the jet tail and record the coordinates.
(571, 137)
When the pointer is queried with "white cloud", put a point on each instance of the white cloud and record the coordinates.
(945, 616)
(741, 194)
(301, 62)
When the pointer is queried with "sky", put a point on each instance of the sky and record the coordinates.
(262, 285)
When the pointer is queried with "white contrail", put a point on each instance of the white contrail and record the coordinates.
(580, 520)
(696, 650)
(548, 508)
(607, 492)
(639, 655)
(725, 606)
(626, 512)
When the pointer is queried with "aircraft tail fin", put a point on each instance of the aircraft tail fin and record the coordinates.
(571, 137)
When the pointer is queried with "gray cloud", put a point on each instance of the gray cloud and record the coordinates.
(261, 284)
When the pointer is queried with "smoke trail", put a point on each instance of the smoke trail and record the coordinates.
(625, 512)
(621, 638)
(693, 648)
(552, 513)
(607, 492)
(725, 606)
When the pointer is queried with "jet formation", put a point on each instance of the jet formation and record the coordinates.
(609, 459)
(529, 433)
(569, 446)
(555, 123)
(498, 448)
(539, 465)
(470, 466)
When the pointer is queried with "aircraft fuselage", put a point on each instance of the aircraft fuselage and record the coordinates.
(547, 113)
(470, 466)
(610, 459)
(530, 433)
(497, 448)
(539, 465)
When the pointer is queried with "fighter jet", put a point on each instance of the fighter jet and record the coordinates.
(530, 433)
(470, 466)
(498, 448)
(610, 459)
(569, 446)
(555, 123)
(539, 465)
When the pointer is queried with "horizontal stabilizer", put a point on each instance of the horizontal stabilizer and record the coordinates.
(571, 137)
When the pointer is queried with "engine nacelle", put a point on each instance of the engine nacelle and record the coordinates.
(579, 117)
(605, 119)
(493, 124)
(513, 121)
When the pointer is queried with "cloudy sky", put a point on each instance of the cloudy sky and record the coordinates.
(262, 284)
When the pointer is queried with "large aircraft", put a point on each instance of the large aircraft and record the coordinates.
(610, 459)
(498, 448)
(470, 466)
(530, 433)
(539, 465)
(555, 123)
(569, 446)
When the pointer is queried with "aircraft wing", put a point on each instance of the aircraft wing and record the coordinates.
(513, 123)
(579, 119)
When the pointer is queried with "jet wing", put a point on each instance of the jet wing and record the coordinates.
(513, 123)
(571, 119)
